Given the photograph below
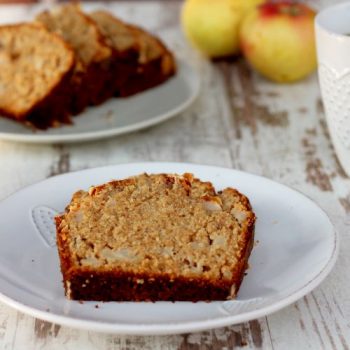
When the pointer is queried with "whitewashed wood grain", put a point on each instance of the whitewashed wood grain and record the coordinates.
(240, 121)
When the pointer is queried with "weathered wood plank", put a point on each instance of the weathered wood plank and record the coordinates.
(313, 169)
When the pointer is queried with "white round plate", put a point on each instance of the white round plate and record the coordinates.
(117, 115)
(296, 249)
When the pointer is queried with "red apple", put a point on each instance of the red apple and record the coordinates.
(278, 40)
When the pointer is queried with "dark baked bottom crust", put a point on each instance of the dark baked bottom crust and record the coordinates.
(144, 77)
(123, 67)
(90, 88)
(94, 83)
(115, 286)
(86, 284)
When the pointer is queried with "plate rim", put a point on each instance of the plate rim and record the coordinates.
(190, 326)
(115, 131)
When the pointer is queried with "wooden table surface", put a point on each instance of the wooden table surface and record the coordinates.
(240, 121)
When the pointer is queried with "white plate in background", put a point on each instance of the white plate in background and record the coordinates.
(297, 247)
(117, 115)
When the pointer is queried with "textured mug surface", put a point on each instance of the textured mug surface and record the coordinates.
(336, 97)
(333, 53)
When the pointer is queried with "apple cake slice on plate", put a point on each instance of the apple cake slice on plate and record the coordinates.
(155, 237)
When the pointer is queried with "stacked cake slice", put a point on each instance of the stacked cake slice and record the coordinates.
(34, 77)
(153, 60)
(69, 60)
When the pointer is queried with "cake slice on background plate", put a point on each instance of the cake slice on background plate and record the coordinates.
(93, 55)
(152, 65)
(36, 68)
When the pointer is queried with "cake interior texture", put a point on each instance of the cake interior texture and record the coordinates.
(117, 33)
(93, 55)
(29, 72)
(149, 62)
(155, 237)
(78, 30)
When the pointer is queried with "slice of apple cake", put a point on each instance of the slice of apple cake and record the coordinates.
(155, 237)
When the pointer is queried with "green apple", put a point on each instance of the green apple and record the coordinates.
(213, 25)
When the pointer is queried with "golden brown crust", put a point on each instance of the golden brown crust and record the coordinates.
(150, 283)
(63, 251)
(246, 247)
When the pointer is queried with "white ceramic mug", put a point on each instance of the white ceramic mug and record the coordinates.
(333, 53)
